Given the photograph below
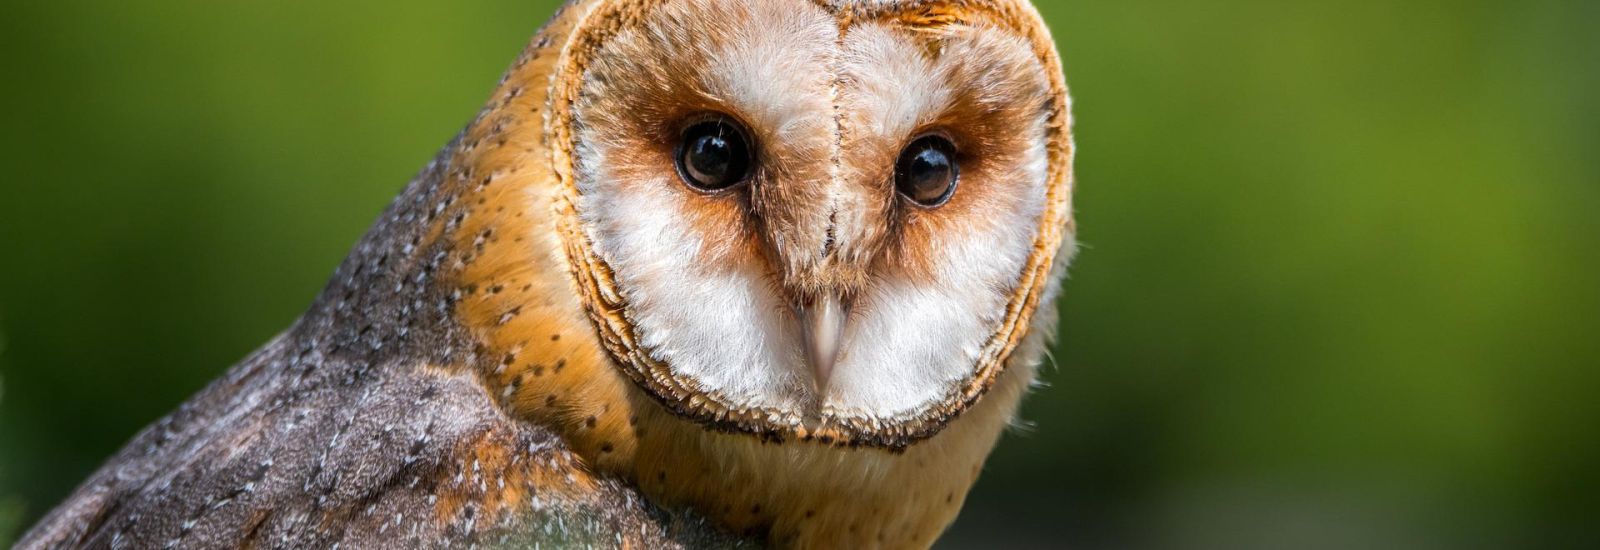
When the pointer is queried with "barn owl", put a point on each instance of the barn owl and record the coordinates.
(703, 273)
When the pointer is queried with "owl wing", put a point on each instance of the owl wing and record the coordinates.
(297, 449)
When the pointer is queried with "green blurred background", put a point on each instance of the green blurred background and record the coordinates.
(1339, 289)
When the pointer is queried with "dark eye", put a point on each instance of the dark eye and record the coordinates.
(927, 171)
(714, 155)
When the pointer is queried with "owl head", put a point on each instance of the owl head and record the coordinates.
(829, 221)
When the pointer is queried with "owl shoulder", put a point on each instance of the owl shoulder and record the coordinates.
(300, 451)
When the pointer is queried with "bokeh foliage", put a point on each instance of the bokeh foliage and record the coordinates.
(1339, 285)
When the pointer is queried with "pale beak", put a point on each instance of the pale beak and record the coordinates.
(824, 322)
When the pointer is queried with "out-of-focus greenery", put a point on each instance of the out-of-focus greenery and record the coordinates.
(10, 516)
(1339, 290)
(10, 519)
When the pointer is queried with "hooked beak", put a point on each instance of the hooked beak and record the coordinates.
(823, 320)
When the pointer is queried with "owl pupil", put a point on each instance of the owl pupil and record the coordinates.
(927, 171)
(714, 156)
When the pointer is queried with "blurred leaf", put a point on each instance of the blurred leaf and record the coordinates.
(11, 511)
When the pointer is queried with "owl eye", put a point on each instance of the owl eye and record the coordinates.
(927, 171)
(714, 155)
